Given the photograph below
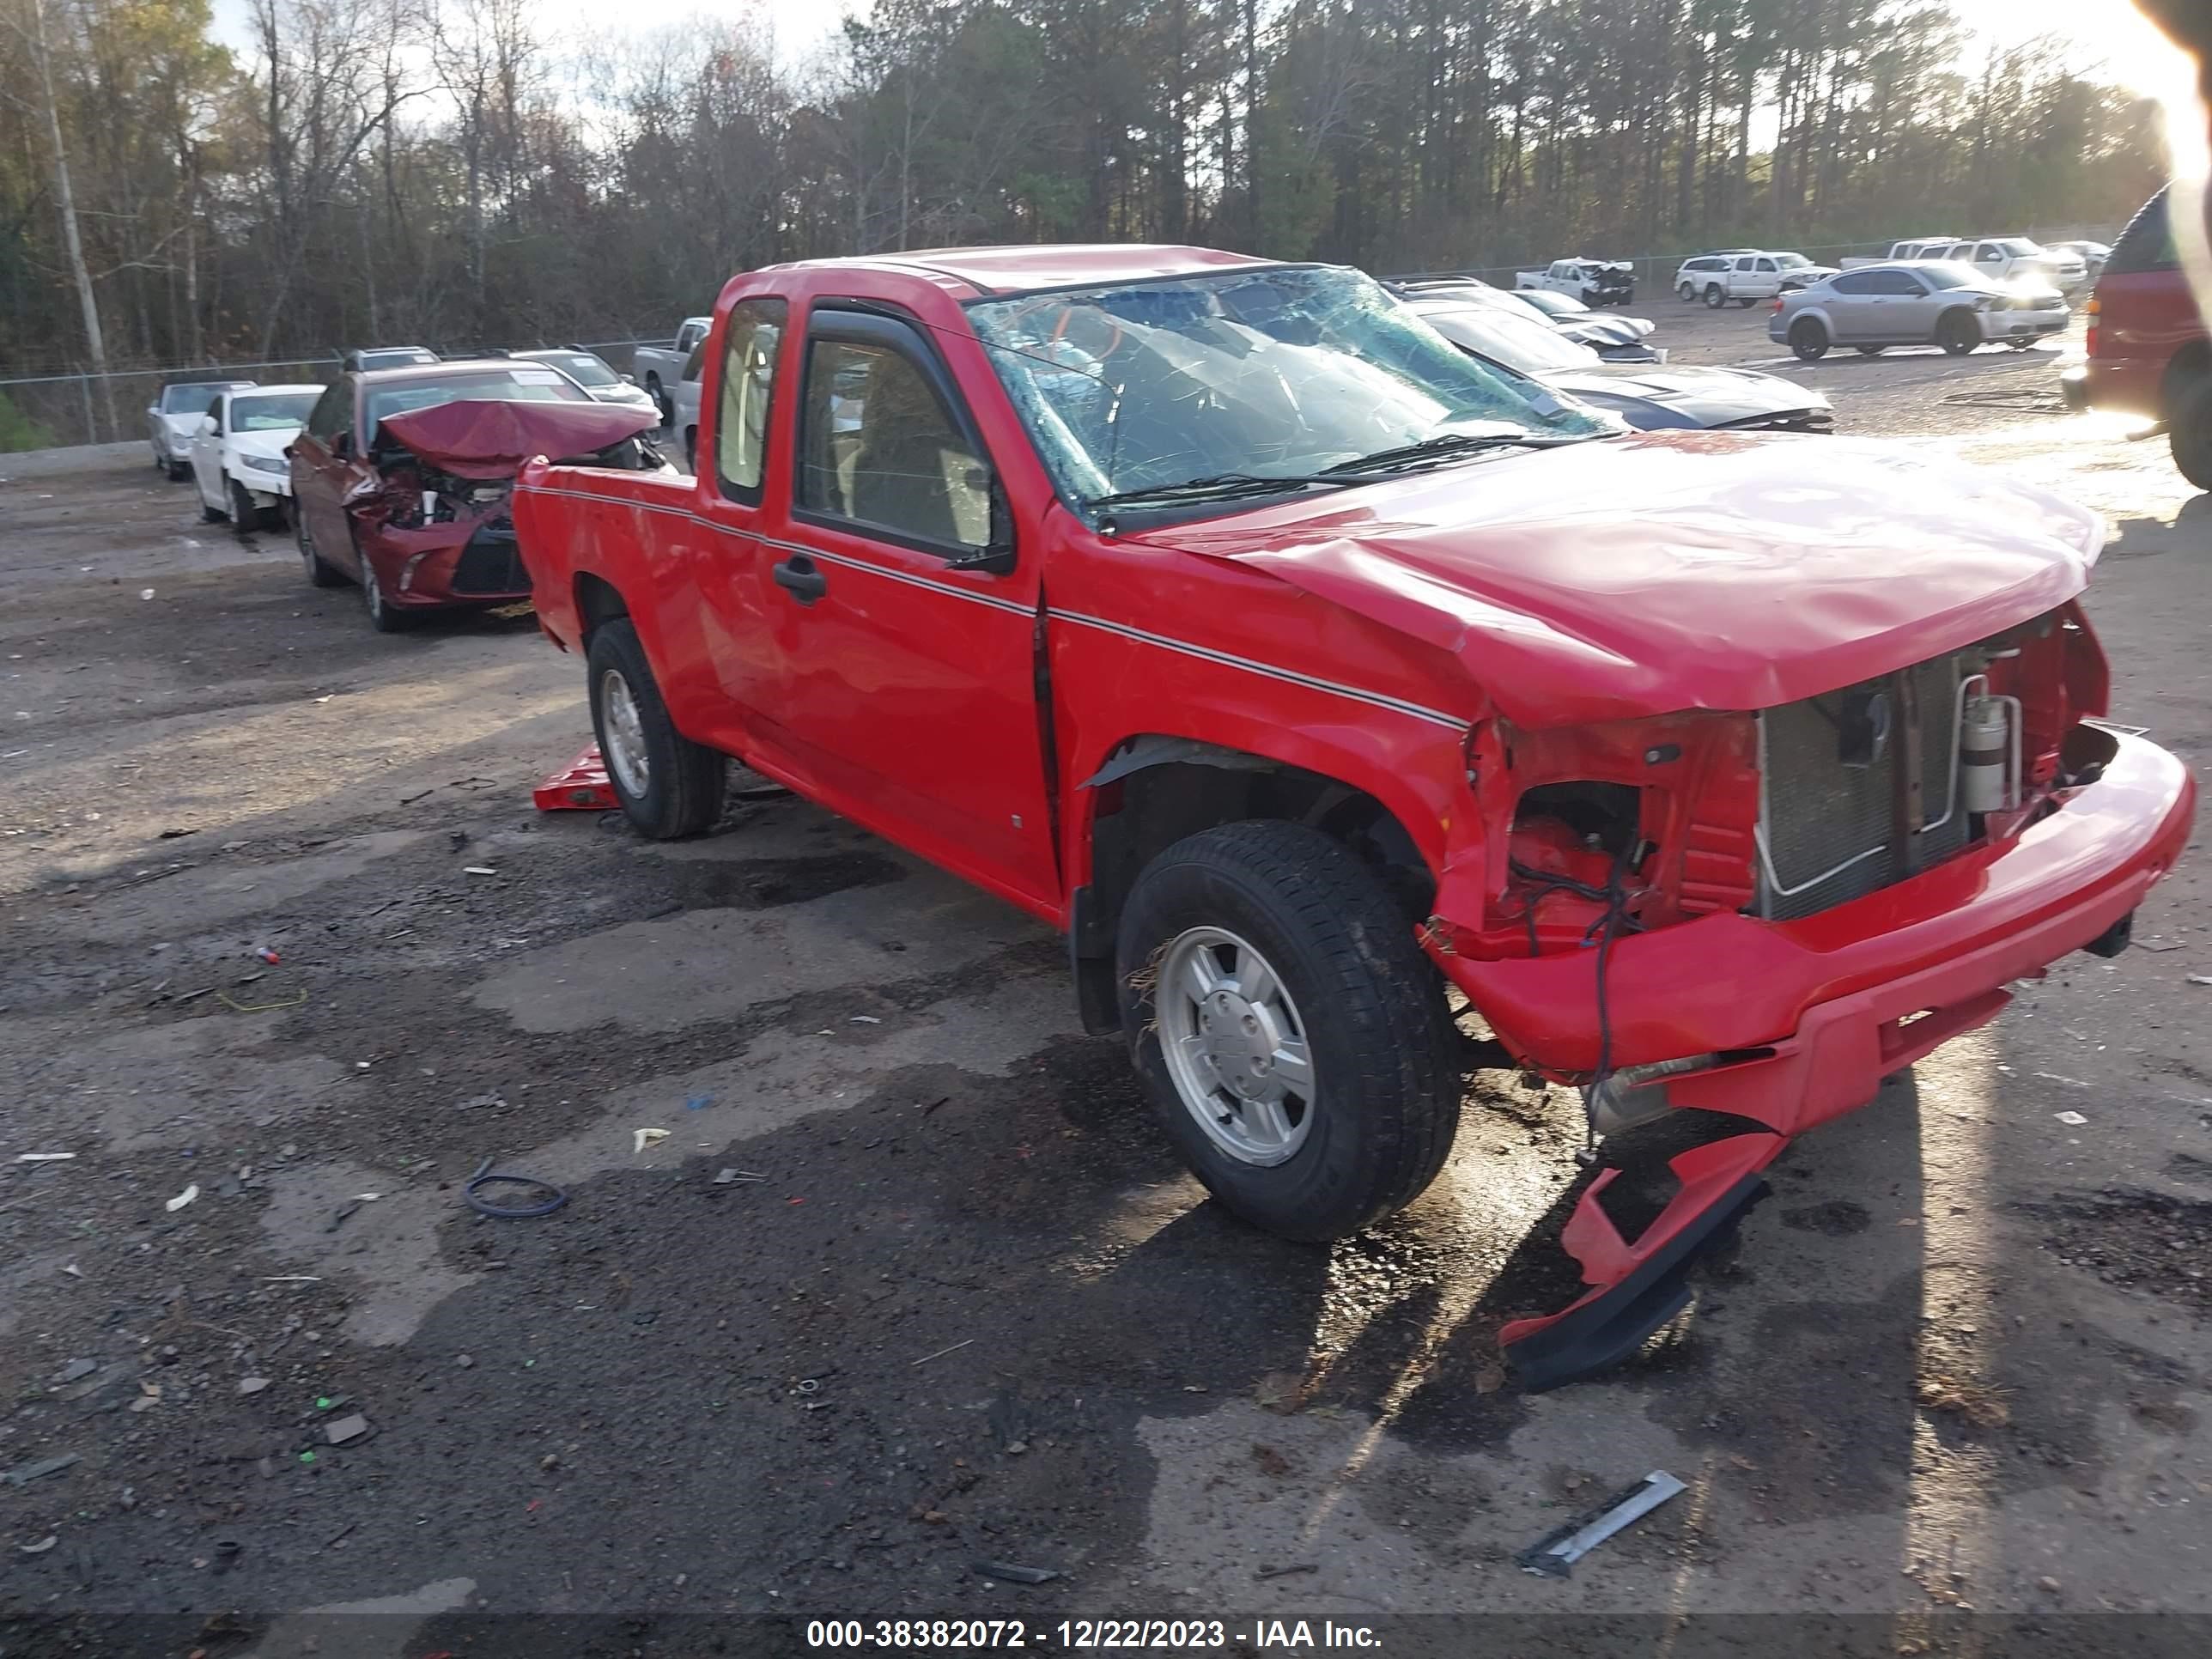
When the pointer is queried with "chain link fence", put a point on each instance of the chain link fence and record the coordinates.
(60, 411)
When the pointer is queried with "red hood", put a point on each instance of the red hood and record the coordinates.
(1672, 570)
(474, 438)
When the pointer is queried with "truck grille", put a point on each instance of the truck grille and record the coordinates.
(490, 564)
(1824, 825)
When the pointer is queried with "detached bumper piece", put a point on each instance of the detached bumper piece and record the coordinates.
(581, 787)
(1637, 1288)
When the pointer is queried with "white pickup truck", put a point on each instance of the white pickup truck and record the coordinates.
(1999, 258)
(1594, 281)
(659, 369)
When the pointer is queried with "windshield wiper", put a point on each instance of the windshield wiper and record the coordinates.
(1225, 486)
(1445, 444)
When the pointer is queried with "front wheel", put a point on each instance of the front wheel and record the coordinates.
(244, 514)
(1294, 1039)
(660, 400)
(384, 616)
(1869, 351)
(669, 786)
(1808, 339)
(1958, 333)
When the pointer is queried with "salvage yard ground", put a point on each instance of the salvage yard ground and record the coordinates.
(957, 1301)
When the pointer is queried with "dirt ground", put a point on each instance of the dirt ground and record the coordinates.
(911, 1284)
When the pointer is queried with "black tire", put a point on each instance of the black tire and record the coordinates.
(1869, 351)
(2019, 343)
(1747, 304)
(661, 399)
(244, 515)
(320, 574)
(2189, 432)
(1380, 1038)
(683, 780)
(1686, 292)
(179, 471)
(211, 514)
(1715, 297)
(1957, 332)
(1808, 339)
(383, 618)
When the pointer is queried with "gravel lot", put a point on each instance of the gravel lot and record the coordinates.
(959, 1304)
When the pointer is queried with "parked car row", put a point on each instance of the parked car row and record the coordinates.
(1745, 274)
(1997, 258)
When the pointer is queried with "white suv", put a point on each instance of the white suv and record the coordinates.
(1745, 274)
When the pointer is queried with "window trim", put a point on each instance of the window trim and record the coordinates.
(834, 320)
(748, 494)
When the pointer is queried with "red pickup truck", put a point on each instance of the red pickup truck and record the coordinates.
(1305, 670)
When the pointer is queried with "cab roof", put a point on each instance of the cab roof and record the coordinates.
(1024, 269)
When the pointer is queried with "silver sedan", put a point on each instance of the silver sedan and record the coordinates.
(1921, 303)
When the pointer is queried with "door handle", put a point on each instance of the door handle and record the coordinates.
(797, 577)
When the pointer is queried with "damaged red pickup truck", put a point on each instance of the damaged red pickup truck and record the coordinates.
(1299, 667)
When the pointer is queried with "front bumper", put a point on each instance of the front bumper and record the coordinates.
(1818, 1011)
(1842, 998)
(444, 564)
(2023, 324)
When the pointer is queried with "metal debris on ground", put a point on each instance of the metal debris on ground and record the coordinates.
(24, 1474)
(2200, 979)
(238, 1007)
(1553, 1555)
(183, 1198)
(646, 1138)
(345, 1429)
(728, 1177)
(486, 1176)
(42, 1545)
(941, 1353)
(252, 1384)
(1014, 1573)
(43, 1158)
(2071, 1120)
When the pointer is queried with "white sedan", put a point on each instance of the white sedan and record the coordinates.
(237, 453)
(174, 416)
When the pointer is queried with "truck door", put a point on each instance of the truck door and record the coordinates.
(904, 616)
(1765, 281)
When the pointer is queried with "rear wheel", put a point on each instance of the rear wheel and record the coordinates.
(669, 786)
(661, 399)
(321, 574)
(2189, 430)
(1747, 304)
(1294, 1039)
(1684, 292)
(1715, 299)
(1808, 339)
(1869, 351)
(1957, 332)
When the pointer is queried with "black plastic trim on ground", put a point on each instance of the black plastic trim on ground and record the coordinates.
(1608, 1330)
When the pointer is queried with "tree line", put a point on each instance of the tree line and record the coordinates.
(441, 171)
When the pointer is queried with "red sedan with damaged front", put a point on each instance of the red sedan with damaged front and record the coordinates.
(400, 479)
(1301, 669)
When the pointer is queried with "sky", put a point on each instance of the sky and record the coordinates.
(2107, 31)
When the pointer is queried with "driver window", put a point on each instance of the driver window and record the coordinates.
(879, 447)
(1766, 264)
(1991, 254)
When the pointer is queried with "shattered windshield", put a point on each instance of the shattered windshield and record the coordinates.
(1252, 375)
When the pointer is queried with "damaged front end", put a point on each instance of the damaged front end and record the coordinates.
(433, 523)
(1763, 914)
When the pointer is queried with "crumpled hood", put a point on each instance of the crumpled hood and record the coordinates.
(477, 438)
(1707, 395)
(1670, 570)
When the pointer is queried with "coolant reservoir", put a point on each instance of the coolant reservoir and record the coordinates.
(1985, 779)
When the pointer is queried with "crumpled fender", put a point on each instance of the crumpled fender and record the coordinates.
(1637, 1288)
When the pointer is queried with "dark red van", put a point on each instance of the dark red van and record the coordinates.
(2148, 354)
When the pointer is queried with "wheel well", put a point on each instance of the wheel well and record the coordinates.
(1949, 313)
(1145, 805)
(598, 602)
